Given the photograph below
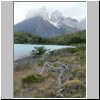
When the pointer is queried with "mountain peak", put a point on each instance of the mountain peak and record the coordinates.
(56, 15)
(38, 23)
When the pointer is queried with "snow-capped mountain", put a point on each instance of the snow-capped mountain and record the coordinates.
(61, 20)
(38, 26)
(57, 18)
(71, 22)
(40, 23)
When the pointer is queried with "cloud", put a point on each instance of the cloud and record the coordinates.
(28, 9)
(38, 12)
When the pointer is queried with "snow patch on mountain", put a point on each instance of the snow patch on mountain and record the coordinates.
(57, 19)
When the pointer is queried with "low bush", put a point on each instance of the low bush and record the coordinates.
(74, 87)
(72, 84)
(34, 78)
(79, 72)
(38, 51)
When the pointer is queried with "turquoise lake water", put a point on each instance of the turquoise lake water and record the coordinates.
(24, 50)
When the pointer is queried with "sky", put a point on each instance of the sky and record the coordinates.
(76, 10)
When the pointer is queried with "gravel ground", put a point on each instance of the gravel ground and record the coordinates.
(26, 60)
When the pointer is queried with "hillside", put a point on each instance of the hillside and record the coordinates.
(42, 25)
(73, 38)
(29, 84)
(37, 26)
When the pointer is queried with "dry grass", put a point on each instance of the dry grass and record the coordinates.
(48, 87)
(33, 90)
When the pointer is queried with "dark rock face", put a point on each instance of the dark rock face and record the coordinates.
(37, 26)
(40, 27)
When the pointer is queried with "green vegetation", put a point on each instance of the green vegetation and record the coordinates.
(25, 38)
(34, 78)
(79, 73)
(69, 55)
(74, 88)
(45, 86)
(73, 38)
(38, 51)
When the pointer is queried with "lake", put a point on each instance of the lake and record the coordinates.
(24, 50)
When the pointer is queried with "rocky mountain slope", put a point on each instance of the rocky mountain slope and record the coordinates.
(41, 24)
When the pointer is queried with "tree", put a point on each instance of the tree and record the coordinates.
(38, 51)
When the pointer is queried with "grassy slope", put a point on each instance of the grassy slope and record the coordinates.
(73, 88)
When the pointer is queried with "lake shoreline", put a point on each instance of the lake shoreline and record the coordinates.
(29, 66)
(26, 60)
(24, 50)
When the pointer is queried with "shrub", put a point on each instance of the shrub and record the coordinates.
(82, 47)
(71, 50)
(38, 51)
(79, 72)
(74, 87)
(34, 78)
(72, 84)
